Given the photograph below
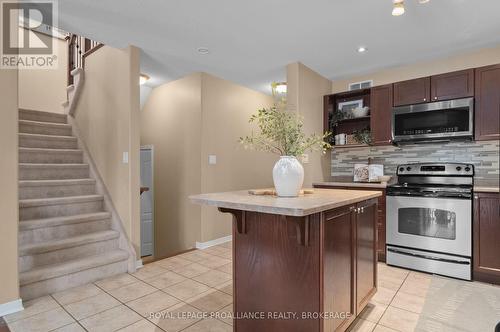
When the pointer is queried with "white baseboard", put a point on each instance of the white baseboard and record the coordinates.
(11, 307)
(211, 243)
(138, 264)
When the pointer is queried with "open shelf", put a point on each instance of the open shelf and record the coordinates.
(359, 119)
(349, 146)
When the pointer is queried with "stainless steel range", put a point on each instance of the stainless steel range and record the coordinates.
(429, 219)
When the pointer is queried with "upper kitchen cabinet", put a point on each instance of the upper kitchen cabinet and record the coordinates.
(381, 110)
(415, 91)
(487, 107)
(454, 85)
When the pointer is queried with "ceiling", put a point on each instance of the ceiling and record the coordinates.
(251, 42)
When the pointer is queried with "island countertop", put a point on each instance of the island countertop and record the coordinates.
(321, 200)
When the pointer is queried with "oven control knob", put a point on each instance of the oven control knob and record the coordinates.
(408, 168)
(459, 168)
(401, 169)
(467, 169)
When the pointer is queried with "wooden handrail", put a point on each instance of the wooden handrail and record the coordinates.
(78, 49)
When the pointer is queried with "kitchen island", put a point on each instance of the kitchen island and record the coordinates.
(301, 264)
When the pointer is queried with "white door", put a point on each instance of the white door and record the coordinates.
(147, 217)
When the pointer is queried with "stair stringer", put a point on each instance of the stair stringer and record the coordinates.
(124, 242)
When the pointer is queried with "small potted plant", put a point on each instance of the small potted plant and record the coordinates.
(281, 133)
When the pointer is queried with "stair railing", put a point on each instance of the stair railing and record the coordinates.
(78, 49)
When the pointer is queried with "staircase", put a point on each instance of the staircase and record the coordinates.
(65, 235)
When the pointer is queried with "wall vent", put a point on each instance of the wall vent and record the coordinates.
(360, 85)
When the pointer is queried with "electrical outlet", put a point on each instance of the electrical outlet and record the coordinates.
(212, 159)
(305, 158)
(125, 158)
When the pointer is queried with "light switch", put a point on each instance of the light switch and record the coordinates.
(212, 159)
(125, 158)
(305, 158)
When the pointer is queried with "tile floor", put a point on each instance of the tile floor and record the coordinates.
(196, 282)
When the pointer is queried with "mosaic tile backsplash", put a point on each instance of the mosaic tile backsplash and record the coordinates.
(483, 155)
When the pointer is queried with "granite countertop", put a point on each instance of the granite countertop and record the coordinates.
(486, 186)
(321, 200)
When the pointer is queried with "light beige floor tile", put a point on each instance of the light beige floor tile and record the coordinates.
(32, 308)
(210, 301)
(373, 311)
(154, 302)
(390, 282)
(227, 255)
(415, 286)
(213, 278)
(211, 251)
(384, 295)
(399, 319)
(226, 314)
(381, 328)
(186, 289)
(228, 268)
(177, 317)
(413, 303)
(361, 325)
(214, 262)
(226, 287)
(191, 270)
(173, 262)
(132, 291)
(91, 306)
(209, 325)
(77, 294)
(42, 322)
(111, 320)
(195, 256)
(228, 245)
(75, 327)
(141, 326)
(116, 281)
(149, 271)
(165, 280)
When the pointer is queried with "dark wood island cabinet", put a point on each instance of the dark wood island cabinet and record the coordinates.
(306, 264)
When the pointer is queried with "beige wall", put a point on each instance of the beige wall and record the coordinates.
(226, 108)
(482, 57)
(107, 117)
(171, 122)
(9, 206)
(305, 91)
(43, 89)
(185, 121)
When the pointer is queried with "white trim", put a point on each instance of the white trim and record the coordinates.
(211, 243)
(11, 307)
(138, 264)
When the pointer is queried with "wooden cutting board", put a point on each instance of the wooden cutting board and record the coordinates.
(272, 192)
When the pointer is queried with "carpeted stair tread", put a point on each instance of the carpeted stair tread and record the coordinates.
(59, 200)
(70, 267)
(65, 220)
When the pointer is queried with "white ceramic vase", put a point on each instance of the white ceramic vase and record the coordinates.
(288, 176)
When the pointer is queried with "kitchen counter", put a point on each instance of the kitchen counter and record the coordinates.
(319, 201)
(377, 185)
(294, 255)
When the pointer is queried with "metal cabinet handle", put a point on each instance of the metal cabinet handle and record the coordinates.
(425, 99)
(476, 196)
(435, 98)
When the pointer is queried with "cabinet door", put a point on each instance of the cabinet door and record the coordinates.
(339, 266)
(486, 238)
(366, 253)
(458, 84)
(412, 92)
(381, 114)
(487, 103)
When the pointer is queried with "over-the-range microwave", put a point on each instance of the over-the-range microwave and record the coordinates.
(444, 121)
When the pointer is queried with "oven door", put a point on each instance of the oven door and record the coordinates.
(435, 224)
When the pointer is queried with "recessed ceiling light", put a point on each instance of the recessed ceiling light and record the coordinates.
(203, 50)
(399, 8)
(362, 49)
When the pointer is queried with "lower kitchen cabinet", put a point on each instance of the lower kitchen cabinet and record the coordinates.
(380, 216)
(486, 239)
(350, 261)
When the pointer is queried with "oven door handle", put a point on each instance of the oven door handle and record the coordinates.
(434, 258)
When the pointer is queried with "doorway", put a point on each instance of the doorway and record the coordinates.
(147, 201)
